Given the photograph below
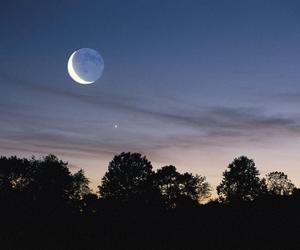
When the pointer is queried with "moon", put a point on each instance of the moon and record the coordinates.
(85, 66)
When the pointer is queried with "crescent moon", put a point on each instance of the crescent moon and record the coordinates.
(73, 73)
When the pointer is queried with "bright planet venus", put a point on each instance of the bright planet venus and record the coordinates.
(85, 66)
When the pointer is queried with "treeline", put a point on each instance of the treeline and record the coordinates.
(131, 178)
(45, 206)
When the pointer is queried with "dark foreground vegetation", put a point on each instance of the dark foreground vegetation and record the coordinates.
(44, 206)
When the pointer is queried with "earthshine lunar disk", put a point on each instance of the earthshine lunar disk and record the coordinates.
(85, 66)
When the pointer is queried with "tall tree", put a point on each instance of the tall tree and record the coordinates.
(128, 178)
(80, 187)
(279, 184)
(241, 181)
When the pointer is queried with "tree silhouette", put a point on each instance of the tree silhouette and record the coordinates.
(46, 182)
(80, 187)
(176, 187)
(166, 179)
(241, 181)
(128, 178)
(194, 186)
(13, 174)
(50, 179)
(279, 184)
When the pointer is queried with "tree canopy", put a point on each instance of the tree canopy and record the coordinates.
(128, 177)
(13, 174)
(241, 181)
(44, 179)
(279, 184)
(176, 188)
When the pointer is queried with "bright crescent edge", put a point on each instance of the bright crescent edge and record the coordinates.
(73, 73)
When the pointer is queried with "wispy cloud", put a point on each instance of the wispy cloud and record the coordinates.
(175, 126)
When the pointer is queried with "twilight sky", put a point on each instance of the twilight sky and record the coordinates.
(189, 83)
